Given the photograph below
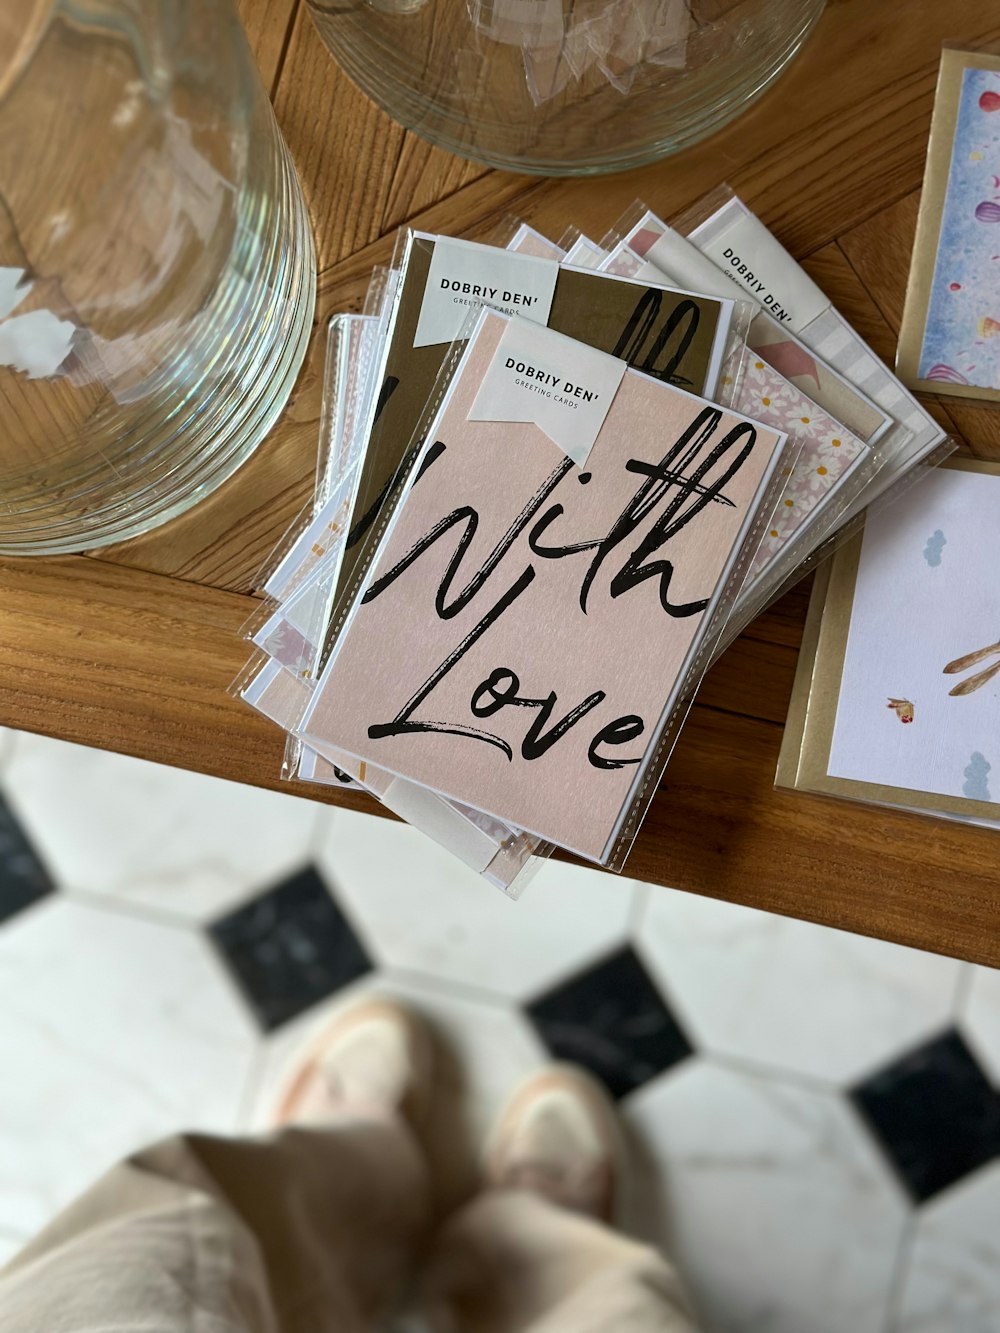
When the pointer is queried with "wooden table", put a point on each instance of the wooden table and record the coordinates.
(133, 648)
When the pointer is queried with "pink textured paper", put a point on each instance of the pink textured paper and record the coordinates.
(626, 646)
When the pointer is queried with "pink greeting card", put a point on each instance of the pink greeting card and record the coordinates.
(537, 608)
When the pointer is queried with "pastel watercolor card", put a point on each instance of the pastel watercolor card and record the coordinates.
(948, 340)
(898, 690)
(542, 600)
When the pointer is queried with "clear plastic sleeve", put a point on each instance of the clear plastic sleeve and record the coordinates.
(527, 240)
(839, 473)
(726, 230)
(637, 324)
(348, 371)
(847, 530)
(297, 594)
(409, 798)
(580, 251)
(499, 852)
(643, 235)
(446, 821)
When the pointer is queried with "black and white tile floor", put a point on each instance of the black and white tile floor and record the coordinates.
(816, 1115)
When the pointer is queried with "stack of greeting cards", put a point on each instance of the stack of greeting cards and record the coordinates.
(554, 482)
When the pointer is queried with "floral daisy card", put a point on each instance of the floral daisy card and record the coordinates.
(948, 342)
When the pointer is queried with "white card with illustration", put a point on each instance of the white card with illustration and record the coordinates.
(905, 687)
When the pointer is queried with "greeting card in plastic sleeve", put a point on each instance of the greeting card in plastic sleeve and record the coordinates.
(500, 652)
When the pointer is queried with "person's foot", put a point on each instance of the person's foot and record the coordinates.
(559, 1136)
(373, 1061)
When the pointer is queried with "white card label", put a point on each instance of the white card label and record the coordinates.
(564, 387)
(464, 274)
(674, 255)
(740, 244)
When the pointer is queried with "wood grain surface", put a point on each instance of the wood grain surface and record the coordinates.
(134, 648)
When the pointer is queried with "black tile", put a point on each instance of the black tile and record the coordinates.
(612, 1020)
(934, 1113)
(290, 948)
(23, 878)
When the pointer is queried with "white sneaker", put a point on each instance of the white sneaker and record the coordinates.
(374, 1061)
(559, 1136)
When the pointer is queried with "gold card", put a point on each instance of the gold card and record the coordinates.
(949, 340)
(897, 695)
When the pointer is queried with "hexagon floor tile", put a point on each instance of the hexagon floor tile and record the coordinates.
(981, 1019)
(113, 1033)
(951, 1282)
(188, 845)
(795, 996)
(428, 913)
(777, 1208)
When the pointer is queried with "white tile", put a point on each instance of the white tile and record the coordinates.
(483, 1051)
(422, 909)
(113, 1033)
(9, 1246)
(980, 1019)
(189, 844)
(952, 1284)
(771, 1200)
(791, 994)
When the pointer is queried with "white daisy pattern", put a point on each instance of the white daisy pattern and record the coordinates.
(822, 449)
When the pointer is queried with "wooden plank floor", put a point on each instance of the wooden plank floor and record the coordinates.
(133, 648)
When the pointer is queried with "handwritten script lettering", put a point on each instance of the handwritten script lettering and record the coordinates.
(691, 474)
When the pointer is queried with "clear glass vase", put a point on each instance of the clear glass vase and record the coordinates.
(564, 87)
(157, 275)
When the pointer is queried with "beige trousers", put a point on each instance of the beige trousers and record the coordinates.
(320, 1231)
